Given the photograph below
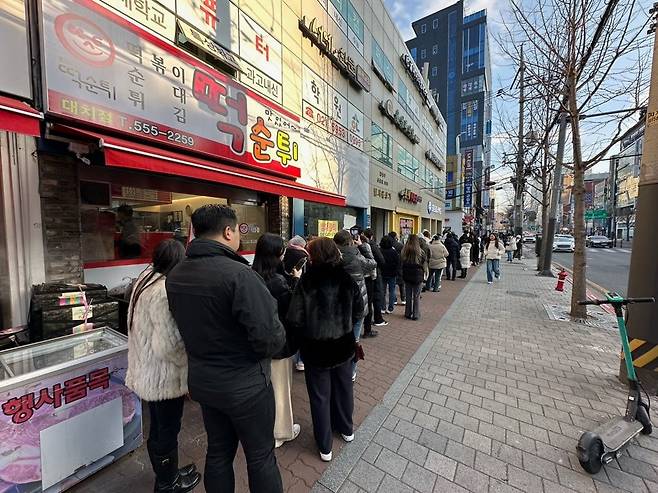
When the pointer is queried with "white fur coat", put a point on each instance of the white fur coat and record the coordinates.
(157, 362)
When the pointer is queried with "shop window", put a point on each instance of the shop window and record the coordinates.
(120, 221)
(327, 220)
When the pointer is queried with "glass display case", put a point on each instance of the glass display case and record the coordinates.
(22, 362)
(65, 394)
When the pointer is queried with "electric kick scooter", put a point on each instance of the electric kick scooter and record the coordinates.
(608, 440)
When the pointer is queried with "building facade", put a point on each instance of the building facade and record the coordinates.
(306, 117)
(455, 50)
(625, 179)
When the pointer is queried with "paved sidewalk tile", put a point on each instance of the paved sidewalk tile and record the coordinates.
(496, 397)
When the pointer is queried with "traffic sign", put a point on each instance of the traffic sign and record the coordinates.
(596, 214)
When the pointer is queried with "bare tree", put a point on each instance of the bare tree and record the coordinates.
(596, 54)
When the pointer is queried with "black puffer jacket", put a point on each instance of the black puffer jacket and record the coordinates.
(281, 289)
(228, 321)
(391, 262)
(357, 266)
(453, 247)
(324, 307)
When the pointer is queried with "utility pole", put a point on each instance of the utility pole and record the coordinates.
(518, 195)
(549, 234)
(643, 280)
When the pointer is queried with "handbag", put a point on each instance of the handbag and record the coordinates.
(358, 352)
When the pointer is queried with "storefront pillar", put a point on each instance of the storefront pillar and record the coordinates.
(298, 217)
(21, 240)
(361, 218)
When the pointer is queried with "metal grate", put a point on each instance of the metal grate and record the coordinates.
(596, 317)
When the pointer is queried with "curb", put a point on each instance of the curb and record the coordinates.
(601, 290)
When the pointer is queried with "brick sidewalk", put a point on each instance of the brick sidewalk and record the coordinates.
(495, 401)
(386, 355)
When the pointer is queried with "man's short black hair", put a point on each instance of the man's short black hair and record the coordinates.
(343, 238)
(126, 210)
(213, 219)
(369, 233)
(393, 235)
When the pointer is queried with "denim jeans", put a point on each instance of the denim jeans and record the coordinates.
(390, 283)
(510, 255)
(434, 280)
(357, 335)
(493, 267)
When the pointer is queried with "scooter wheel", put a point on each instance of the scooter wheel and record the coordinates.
(642, 415)
(592, 464)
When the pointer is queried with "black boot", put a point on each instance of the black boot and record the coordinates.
(168, 478)
(183, 471)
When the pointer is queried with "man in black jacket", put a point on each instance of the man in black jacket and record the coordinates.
(229, 323)
(375, 289)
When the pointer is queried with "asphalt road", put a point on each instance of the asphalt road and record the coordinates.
(607, 267)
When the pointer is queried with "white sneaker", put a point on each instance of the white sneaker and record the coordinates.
(348, 438)
(325, 457)
(296, 429)
(354, 377)
(384, 312)
(489, 282)
(299, 366)
(383, 323)
(403, 303)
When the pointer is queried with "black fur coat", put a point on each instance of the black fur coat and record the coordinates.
(324, 307)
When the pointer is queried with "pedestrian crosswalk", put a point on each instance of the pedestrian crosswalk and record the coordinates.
(608, 250)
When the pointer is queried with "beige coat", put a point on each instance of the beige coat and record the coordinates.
(492, 252)
(438, 254)
(157, 362)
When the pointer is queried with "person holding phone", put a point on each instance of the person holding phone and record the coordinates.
(268, 263)
(295, 258)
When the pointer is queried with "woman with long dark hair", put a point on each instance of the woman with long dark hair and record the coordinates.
(268, 263)
(413, 259)
(157, 368)
(326, 304)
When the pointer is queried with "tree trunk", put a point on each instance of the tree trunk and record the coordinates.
(579, 291)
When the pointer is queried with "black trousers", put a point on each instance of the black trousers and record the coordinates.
(331, 396)
(252, 424)
(165, 425)
(403, 294)
(374, 306)
(412, 309)
(451, 268)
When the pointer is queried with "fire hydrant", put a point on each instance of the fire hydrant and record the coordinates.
(561, 276)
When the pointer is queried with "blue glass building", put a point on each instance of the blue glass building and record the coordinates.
(456, 50)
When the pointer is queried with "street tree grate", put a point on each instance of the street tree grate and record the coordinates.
(596, 317)
(522, 294)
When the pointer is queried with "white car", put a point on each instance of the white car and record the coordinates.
(564, 243)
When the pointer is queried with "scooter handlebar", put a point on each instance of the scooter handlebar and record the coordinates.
(626, 301)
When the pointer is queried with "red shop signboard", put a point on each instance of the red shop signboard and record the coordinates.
(108, 72)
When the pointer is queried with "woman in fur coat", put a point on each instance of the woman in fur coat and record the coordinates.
(326, 304)
(157, 368)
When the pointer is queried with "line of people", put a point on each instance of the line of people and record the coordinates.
(204, 323)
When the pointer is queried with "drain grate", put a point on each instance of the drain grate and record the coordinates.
(596, 318)
(522, 294)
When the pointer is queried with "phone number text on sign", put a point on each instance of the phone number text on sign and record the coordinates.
(105, 71)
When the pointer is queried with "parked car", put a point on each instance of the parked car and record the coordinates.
(564, 243)
(528, 239)
(598, 241)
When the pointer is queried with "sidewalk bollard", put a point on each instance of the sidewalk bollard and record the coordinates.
(562, 275)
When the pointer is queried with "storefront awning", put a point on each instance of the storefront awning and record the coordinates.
(126, 154)
(17, 116)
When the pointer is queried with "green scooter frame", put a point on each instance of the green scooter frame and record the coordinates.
(608, 440)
